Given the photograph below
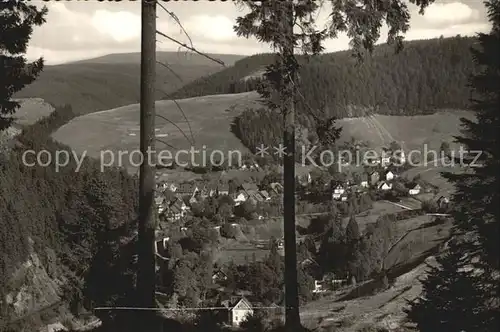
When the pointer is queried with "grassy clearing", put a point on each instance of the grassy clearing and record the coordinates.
(273, 227)
(419, 239)
(432, 174)
(240, 253)
(412, 131)
(413, 202)
(118, 129)
(379, 208)
(210, 118)
(32, 110)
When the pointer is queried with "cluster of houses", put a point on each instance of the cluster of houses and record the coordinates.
(382, 181)
(176, 208)
(386, 159)
(250, 192)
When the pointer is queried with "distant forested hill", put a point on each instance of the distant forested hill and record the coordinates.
(114, 80)
(427, 75)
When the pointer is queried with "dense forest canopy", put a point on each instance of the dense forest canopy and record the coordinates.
(427, 75)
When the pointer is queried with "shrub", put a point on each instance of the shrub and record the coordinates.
(228, 231)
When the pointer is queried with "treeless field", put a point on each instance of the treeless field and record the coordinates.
(32, 110)
(379, 208)
(240, 253)
(417, 239)
(432, 175)
(412, 131)
(273, 227)
(210, 120)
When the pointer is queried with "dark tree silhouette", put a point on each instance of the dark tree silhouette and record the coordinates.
(452, 300)
(469, 300)
(352, 230)
(17, 19)
(477, 198)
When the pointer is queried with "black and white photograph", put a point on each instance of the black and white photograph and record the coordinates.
(249, 166)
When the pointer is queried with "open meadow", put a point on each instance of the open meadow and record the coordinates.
(415, 237)
(209, 121)
(32, 110)
(370, 216)
(413, 132)
(240, 253)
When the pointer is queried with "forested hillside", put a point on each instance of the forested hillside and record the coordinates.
(427, 75)
(78, 216)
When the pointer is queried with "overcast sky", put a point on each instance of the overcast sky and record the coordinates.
(84, 29)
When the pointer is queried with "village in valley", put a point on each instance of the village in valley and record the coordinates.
(246, 218)
(334, 171)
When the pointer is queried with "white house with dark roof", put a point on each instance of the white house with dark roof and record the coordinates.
(223, 189)
(384, 186)
(415, 190)
(177, 209)
(238, 310)
(389, 175)
(240, 197)
(338, 192)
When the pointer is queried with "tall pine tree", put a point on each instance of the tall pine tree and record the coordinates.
(17, 19)
(352, 230)
(477, 198)
(454, 299)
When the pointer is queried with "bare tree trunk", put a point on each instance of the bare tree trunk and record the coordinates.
(147, 222)
(292, 317)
